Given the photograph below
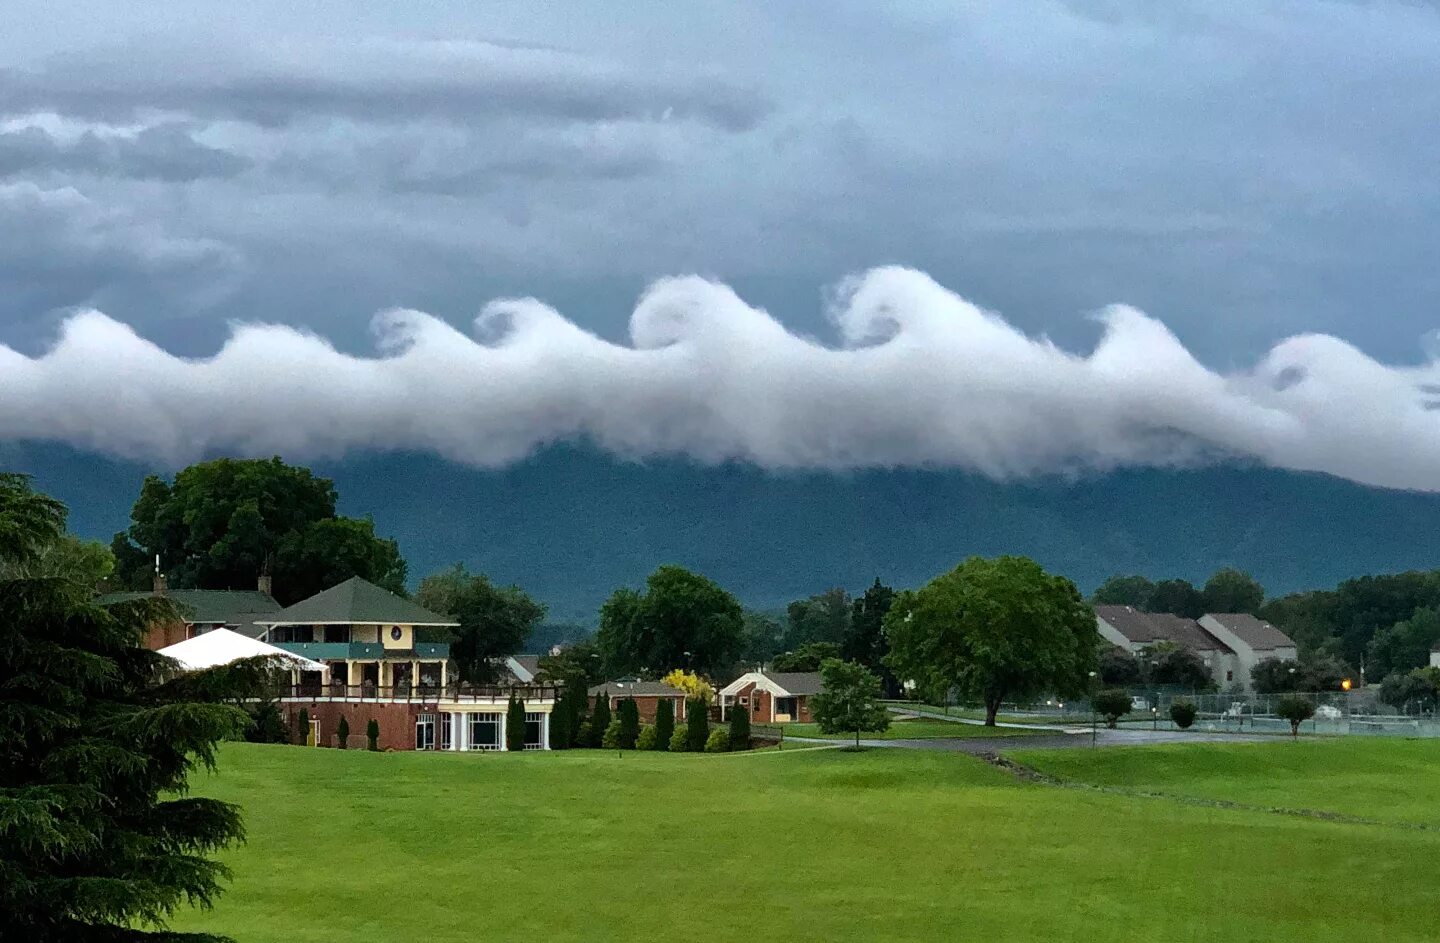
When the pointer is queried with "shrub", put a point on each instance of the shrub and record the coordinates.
(582, 734)
(1295, 709)
(560, 718)
(372, 735)
(664, 723)
(342, 733)
(599, 719)
(680, 739)
(697, 724)
(1183, 713)
(611, 738)
(629, 716)
(266, 725)
(647, 738)
(304, 723)
(718, 741)
(739, 727)
(515, 724)
(1112, 705)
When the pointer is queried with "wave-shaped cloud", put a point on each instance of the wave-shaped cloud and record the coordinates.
(920, 377)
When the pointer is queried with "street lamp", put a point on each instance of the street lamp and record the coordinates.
(1093, 733)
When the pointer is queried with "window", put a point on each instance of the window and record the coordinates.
(534, 730)
(447, 733)
(1229, 676)
(484, 731)
(744, 699)
(785, 706)
(337, 633)
(292, 633)
(425, 732)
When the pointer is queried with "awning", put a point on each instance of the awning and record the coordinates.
(222, 646)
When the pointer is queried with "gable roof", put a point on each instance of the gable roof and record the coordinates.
(1147, 628)
(530, 664)
(220, 606)
(355, 602)
(1257, 633)
(796, 682)
(636, 689)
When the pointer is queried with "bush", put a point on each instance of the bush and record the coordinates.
(515, 724)
(718, 741)
(1295, 709)
(697, 724)
(342, 733)
(664, 723)
(613, 733)
(583, 734)
(372, 735)
(629, 716)
(680, 739)
(1112, 705)
(304, 723)
(647, 738)
(266, 725)
(1183, 713)
(739, 727)
(560, 720)
(599, 720)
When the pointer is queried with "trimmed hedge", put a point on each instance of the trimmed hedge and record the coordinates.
(718, 741)
(647, 738)
(680, 739)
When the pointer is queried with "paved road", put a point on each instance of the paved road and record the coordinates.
(1104, 738)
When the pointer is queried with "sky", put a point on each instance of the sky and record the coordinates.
(1007, 237)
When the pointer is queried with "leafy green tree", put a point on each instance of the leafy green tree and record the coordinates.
(824, 617)
(1418, 689)
(865, 641)
(739, 716)
(1118, 667)
(1182, 712)
(1133, 591)
(993, 630)
(221, 524)
(87, 562)
(1275, 676)
(599, 719)
(1171, 665)
(1231, 590)
(760, 636)
(629, 715)
(1112, 705)
(697, 724)
(1405, 645)
(342, 733)
(805, 658)
(849, 700)
(682, 619)
(98, 837)
(515, 724)
(372, 735)
(494, 620)
(664, 723)
(578, 661)
(680, 739)
(266, 724)
(1296, 709)
(1178, 597)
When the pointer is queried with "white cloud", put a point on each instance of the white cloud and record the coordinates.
(920, 377)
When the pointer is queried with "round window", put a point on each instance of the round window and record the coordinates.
(395, 632)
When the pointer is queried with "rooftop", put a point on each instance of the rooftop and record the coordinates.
(796, 682)
(355, 602)
(1257, 633)
(1147, 628)
(219, 606)
(636, 689)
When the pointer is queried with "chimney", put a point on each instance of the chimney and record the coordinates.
(263, 583)
(158, 586)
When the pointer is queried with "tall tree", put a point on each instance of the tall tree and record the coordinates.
(1178, 597)
(99, 840)
(824, 617)
(1403, 646)
(664, 723)
(88, 562)
(515, 724)
(494, 620)
(995, 630)
(865, 641)
(579, 661)
(807, 657)
(681, 620)
(1134, 591)
(221, 524)
(1231, 590)
(760, 635)
(849, 700)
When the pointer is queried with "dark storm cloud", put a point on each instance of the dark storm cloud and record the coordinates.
(164, 152)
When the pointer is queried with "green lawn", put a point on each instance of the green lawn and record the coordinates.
(1371, 777)
(914, 730)
(806, 845)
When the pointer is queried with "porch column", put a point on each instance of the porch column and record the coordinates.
(443, 679)
(545, 731)
(458, 731)
(504, 734)
(352, 674)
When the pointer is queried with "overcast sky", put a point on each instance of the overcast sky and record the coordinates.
(1241, 171)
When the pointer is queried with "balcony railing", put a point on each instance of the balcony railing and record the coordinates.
(419, 693)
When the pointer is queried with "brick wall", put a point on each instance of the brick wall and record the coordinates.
(397, 723)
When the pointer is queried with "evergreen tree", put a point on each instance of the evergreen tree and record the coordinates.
(579, 702)
(266, 725)
(599, 718)
(303, 722)
(664, 723)
(342, 733)
(739, 727)
(372, 735)
(629, 714)
(99, 840)
(560, 716)
(515, 724)
(697, 721)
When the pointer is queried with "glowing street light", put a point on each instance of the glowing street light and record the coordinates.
(1345, 685)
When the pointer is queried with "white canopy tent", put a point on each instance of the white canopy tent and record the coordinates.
(222, 646)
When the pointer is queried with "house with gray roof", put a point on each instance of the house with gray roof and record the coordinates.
(201, 611)
(773, 697)
(1136, 632)
(1253, 640)
(646, 694)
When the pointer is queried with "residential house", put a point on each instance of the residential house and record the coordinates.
(647, 695)
(1253, 640)
(521, 669)
(375, 668)
(201, 611)
(1135, 632)
(773, 697)
(1435, 656)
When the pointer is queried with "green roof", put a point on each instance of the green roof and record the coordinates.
(221, 606)
(363, 651)
(355, 602)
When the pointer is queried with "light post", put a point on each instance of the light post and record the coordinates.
(1093, 732)
(1155, 716)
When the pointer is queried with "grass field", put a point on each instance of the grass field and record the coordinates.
(918, 729)
(812, 845)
